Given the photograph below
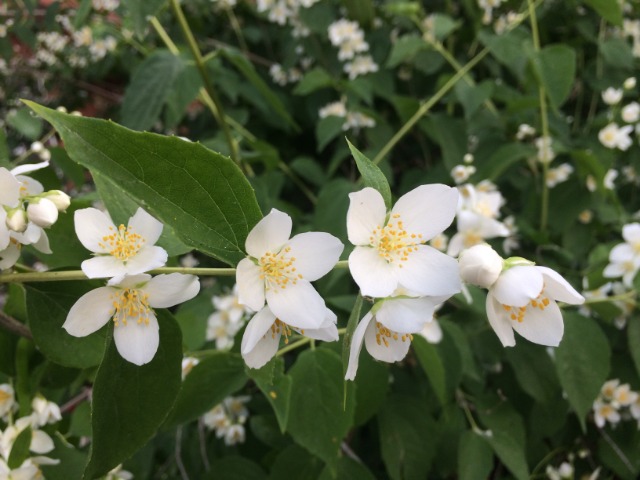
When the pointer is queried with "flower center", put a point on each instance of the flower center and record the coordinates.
(383, 335)
(471, 238)
(123, 243)
(393, 242)
(4, 396)
(278, 270)
(130, 304)
(282, 329)
(518, 313)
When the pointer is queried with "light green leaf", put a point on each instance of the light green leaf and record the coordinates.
(555, 66)
(617, 53)
(202, 195)
(475, 457)
(582, 362)
(140, 11)
(432, 365)
(404, 49)
(607, 9)
(149, 89)
(25, 123)
(372, 175)
(318, 419)
(4, 150)
(276, 387)
(209, 382)
(130, 402)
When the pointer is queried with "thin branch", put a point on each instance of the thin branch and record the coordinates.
(77, 400)
(178, 454)
(14, 326)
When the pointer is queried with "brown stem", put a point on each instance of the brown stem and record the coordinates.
(14, 326)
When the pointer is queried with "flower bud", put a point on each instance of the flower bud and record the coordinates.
(480, 265)
(17, 220)
(60, 199)
(42, 212)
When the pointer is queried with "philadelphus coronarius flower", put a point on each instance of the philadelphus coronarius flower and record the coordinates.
(121, 250)
(131, 302)
(390, 247)
(279, 270)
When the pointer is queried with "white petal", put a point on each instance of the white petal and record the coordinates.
(622, 252)
(42, 244)
(429, 272)
(4, 232)
(373, 274)
(315, 253)
(30, 167)
(41, 442)
(137, 342)
(9, 256)
(614, 270)
(9, 188)
(146, 259)
(356, 346)
(168, 290)
(29, 186)
(517, 286)
(257, 328)
(103, 266)
(132, 281)
(264, 351)
(91, 226)
(631, 232)
(146, 226)
(366, 212)
(269, 234)
(298, 305)
(392, 351)
(499, 321)
(491, 228)
(432, 331)
(90, 313)
(407, 315)
(250, 285)
(558, 288)
(427, 209)
(456, 245)
(328, 331)
(544, 327)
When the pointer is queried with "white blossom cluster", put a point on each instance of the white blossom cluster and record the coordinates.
(286, 12)
(353, 120)
(228, 418)
(625, 118)
(488, 6)
(227, 320)
(349, 38)
(616, 402)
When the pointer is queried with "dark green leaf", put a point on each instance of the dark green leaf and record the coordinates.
(534, 371)
(633, 339)
(295, 462)
(235, 468)
(556, 68)
(276, 387)
(372, 384)
(617, 53)
(348, 469)
(130, 402)
(25, 123)
(82, 12)
(4, 150)
(432, 365)
(140, 11)
(372, 175)
(71, 464)
(607, 9)
(327, 129)
(475, 457)
(20, 449)
(202, 195)
(404, 49)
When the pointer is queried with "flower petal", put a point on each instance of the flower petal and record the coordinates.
(42, 243)
(9, 256)
(91, 226)
(558, 288)
(517, 286)
(145, 225)
(432, 331)
(168, 290)
(372, 273)
(356, 346)
(103, 266)
(269, 234)
(138, 342)
(41, 442)
(4, 233)
(499, 321)
(544, 327)
(391, 351)
(9, 188)
(90, 313)
(407, 315)
(250, 285)
(264, 351)
(29, 186)
(622, 252)
(429, 272)
(427, 209)
(29, 167)
(257, 328)
(366, 212)
(315, 253)
(631, 232)
(328, 331)
(146, 259)
(298, 305)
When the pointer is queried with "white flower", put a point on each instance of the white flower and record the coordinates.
(482, 199)
(524, 299)
(624, 258)
(60, 199)
(623, 396)
(480, 265)
(612, 96)
(613, 136)
(119, 250)
(17, 219)
(262, 336)
(42, 212)
(360, 65)
(629, 83)
(387, 329)
(432, 331)
(545, 149)
(473, 229)
(279, 270)
(44, 412)
(390, 249)
(187, 365)
(131, 302)
(524, 131)
(605, 412)
(631, 113)
(234, 434)
(461, 173)
(609, 179)
(7, 399)
(558, 175)
(333, 109)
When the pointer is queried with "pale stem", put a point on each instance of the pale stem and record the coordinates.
(302, 342)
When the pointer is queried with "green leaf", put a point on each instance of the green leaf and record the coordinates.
(610, 11)
(473, 96)
(315, 79)
(372, 384)
(327, 129)
(25, 123)
(617, 53)
(534, 371)
(361, 11)
(276, 387)
(48, 304)
(450, 133)
(149, 89)
(408, 437)
(504, 157)
(475, 457)
(555, 66)
(372, 175)
(404, 49)
(318, 420)
(140, 11)
(130, 402)
(4, 150)
(295, 462)
(235, 467)
(508, 48)
(185, 89)
(432, 365)
(202, 195)
(348, 469)
(71, 464)
(247, 69)
(82, 13)
(209, 383)
(582, 362)
(633, 338)
(20, 449)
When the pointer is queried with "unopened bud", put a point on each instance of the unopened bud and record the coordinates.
(42, 212)
(45, 155)
(60, 199)
(480, 265)
(17, 220)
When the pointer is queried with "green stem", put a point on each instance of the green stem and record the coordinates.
(208, 85)
(302, 342)
(462, 401)
(614, 298)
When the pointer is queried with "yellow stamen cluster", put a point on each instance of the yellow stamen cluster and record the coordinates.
(281, 328)
(278, 269)
(4, 396)
(123, 243)
(130, 304)
(518, 313)
(383, 335)
(471, 238)
(393, 242)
